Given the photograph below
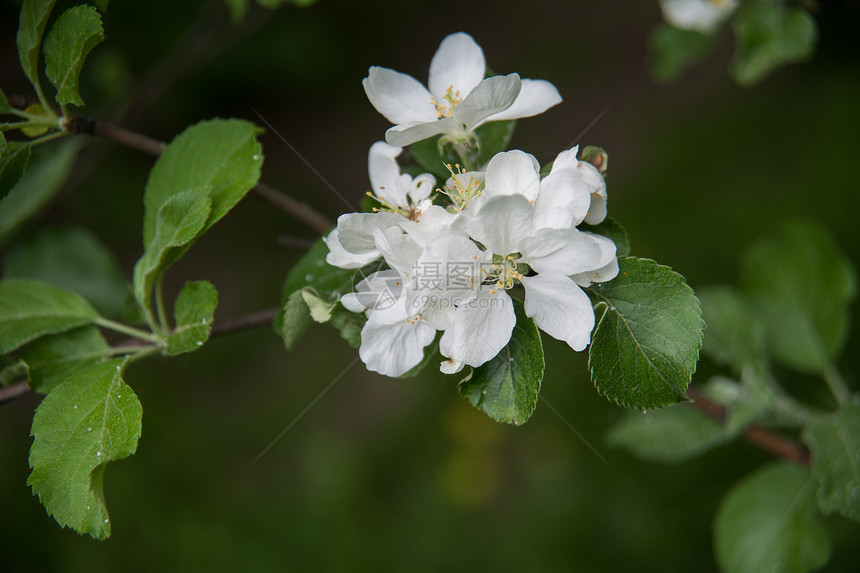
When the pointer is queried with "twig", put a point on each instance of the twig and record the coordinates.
(12, 391)
(767, 440)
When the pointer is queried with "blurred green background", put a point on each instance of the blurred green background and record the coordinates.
(404, 475)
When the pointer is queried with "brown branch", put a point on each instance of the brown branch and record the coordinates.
(301, 211)
(767, 440)
(221, 327)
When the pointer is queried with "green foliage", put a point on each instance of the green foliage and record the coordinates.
(193, 312)
(220, 155)
(45, 176)
(745, 402)
(13, 163)
(673, 50)
(649, 331)
(834, 441)
(770, 35)
(74, 259)
(507, 387)
(611, 229)
(765, 523)
(800, 284)
(75, 33)
(89, 420)
(3, 145)
(433, 157)
(181, 218)
(52, 359)
(295, 319)
(4, 103)
(669, 435)
(733, 335)
(30, 309)
(31, 27)
(493, 138)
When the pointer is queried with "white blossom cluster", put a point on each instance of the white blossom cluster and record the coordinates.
(454, 253)
(703, 16)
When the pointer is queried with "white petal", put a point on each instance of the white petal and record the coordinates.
(562, 251)
(482, 327)
(352, 302)
(398, 97)
(501, 224)
(559, 308)
(513, 173)
(601, 275)
(421, 187)
(564, 199)
(393, 349)
(597, 188)
(536, 96)
(700, 15)
(385, 173)
(408, 133)
(458, 64)
(489, 97)
(384, 294)
(355, 230)
(397, 248)
(450, 366)
(340, 257)
(433, 222)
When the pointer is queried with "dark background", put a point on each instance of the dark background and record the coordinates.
(388, 474)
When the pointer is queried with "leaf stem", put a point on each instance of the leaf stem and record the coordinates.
(159, 305)
(129, 330)
(28, 123)
(49, 137)
(837, 384)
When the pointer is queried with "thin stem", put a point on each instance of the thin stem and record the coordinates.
(159, 305)
(49, 137)
(28, 123)
(129, 330)
(46, 105)
(837, 384)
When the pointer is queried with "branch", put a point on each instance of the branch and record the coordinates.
(776, 444)
(221, 327)
(301, 211)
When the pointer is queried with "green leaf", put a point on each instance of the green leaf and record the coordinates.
(673, 50)
(74, 259)
(4, 103)
(91, 419)
(193, 312)
(834, 442)
(745, 402)
(3, 146)
(646, 343)
(45, 176)
(507, 387)
(770, 35)
(238, 9)
(52, 359)
(30, 309)
(31, 26)
(75, 33)
(429, 156)
(222, 155)
(765, 523)
(13, 163)
(611, 229)
(800, 284)
(494, 138)
(668, 435)
(733, 335)
(295, 319)
(320, 309)
(180, 219)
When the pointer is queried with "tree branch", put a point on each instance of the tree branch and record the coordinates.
(776, 444)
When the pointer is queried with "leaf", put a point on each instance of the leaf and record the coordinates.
(507, 387)
(75, 33)
(765, 523)
(745, 402)
(673, 50)
(74, 259)
(222, 155)
(4, 103)
(429, 156)
(320, 310)
(611, 229)
(238, 9)
(834, 442)
(668, 435)
(800, 284)
(52, 359)
(350, 324)
(30, 309)
(193, 312)
(45, 176)
(646, 343)
(770, 35)
(494, 138)
(13, 163)
(91, 419)
(295, 319)
(733, 335)
(31, 26)
(180, 219)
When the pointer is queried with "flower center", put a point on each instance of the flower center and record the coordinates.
(462, 189)
(411, 212)
(445, 108)
(504, 272)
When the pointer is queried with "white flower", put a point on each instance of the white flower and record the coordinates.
(459, 99)
(700, 15)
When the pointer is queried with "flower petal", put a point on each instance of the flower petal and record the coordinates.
(565, 194)
(450, 366)
(394, 349)
(408, 133)
(536, 96)
(397, 248)
(559, 308)
(399, 97)
(607, 268)
(339, 257)
(501, 223)
(355, 230)
(482, 327)
(421, 187)
(513, 173)
(458, 64)
(562, 251)
(489, 97)
(697, 15)
(385, 178)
